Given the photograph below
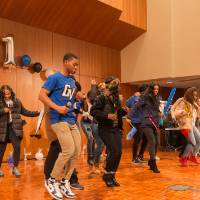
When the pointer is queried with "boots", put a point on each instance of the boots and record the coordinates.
(150, 165)
(183, 161)
(153, 166)
(107, 178)
(194, 159)
(114, 180)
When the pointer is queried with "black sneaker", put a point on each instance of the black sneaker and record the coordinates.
(77, 186)
(52, 187)
(65, 189)
(136, 161)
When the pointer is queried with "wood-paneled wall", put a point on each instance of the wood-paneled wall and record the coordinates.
(48, 48)
(114, 3)
(97, 21)
(134, 12)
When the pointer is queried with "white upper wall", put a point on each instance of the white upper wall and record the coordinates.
(186, 37)
(149, 55)
(171, 46)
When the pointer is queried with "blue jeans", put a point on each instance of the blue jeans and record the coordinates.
(87, 129)
(99, 143)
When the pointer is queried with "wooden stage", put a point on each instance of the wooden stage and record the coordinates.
(137, 182)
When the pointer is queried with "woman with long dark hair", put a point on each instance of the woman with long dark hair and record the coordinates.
(11, 124)
(148, 105)
(185, 112)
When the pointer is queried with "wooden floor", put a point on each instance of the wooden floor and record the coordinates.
(137, 182)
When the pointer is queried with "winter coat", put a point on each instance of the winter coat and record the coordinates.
(184, 121)
(103, 106)
(148, 110)
(17, 122)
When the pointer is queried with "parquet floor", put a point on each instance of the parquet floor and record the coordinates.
(137, 182)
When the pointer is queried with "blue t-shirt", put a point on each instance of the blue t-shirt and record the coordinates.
(62, 93)
(134, 115)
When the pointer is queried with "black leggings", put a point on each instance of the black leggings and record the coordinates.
(143, 145)
(52, 156)
(152, 141)
(16, 141)
(112, 141)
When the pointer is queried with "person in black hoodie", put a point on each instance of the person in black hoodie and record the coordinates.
(148, 104)
(11, 124)
(108, 112)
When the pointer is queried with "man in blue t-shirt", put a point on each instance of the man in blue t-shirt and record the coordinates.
(58, 93)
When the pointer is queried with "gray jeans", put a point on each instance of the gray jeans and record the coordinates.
(194, 143)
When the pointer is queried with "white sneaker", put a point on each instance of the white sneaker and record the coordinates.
(52, 187)
(66, 190)
(157, 158)
(16, 172)
(1, 173)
